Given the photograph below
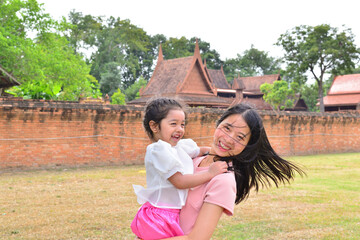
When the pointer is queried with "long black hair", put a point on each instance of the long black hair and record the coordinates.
(258, 165)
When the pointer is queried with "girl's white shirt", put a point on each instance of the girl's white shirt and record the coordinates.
(161, 162)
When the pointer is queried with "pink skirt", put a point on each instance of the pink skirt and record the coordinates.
(152, 223)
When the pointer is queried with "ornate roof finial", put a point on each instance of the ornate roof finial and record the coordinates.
(160, 57)
(197, 49)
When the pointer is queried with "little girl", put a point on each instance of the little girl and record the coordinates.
(169, 171)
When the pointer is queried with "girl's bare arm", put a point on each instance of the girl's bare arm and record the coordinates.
(185, 181)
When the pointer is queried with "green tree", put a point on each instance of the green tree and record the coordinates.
(309, 93)
(132, 92)
(83, 31)
(123, 43)
(279, 95)
(45, 64)
(319, 50)
(17, 19)
(53, 71)
(183, 47)
(110, 78)
(211, 56)
(118, 98)
(253, 62)
(177, 48)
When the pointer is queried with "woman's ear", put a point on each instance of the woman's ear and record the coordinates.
(154, 126)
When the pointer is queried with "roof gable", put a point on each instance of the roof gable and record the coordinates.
(180, 75)
(191, 83)
(167, 76)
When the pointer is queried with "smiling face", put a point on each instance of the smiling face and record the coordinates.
(231, 136)
(171, 129)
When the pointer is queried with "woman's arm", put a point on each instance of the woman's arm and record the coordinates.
(185, 181)
(205, 224)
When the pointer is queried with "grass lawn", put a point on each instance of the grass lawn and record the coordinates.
(98, 203)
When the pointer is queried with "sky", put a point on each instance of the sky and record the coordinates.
(230, 26)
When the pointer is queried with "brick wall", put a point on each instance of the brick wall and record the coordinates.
(46, 134)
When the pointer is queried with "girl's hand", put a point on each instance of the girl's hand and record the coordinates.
(217, 168)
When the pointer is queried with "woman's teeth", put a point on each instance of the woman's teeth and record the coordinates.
(223, 146)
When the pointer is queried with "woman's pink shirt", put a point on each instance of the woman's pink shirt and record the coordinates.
(220, 190)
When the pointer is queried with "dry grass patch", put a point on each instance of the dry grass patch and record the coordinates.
(99, 203)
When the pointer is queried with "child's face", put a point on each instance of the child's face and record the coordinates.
(231, 136)
(172, 128)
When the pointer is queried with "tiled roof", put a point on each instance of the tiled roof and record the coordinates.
(342, 100)
(252, 84)
(218, 78)
(191, 100)
(345, 84)
(6, 80)
(257, 103)
(344, 91)
(188, 80)
(238, 84)
(168, 75)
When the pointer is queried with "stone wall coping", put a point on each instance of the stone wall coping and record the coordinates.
(33, 104)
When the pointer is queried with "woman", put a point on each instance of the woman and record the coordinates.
(241, 141)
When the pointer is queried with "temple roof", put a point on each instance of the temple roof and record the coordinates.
(252, 84)
(257, 103)
(218, 78)
(238, 84)
(6, 79)
(191, 99)
(345, 84)
(187, 79)
(342, 100)
(168, 75)
(344, 91)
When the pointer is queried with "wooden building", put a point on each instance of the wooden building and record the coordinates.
(189, 80)
(344, 94)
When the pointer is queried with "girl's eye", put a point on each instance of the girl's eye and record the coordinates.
(227, 128)
(183, 125)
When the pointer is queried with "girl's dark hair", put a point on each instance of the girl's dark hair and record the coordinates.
(156, 110)
(258, 164)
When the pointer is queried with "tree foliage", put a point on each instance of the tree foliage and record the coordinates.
(279, 95)
(183, 47)
(118, 98)
(45, 64)
(253, 62)
(111, 78)
(319, 50)
(309, 94)
(132, 92)
(84, 30)
(115, 41)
